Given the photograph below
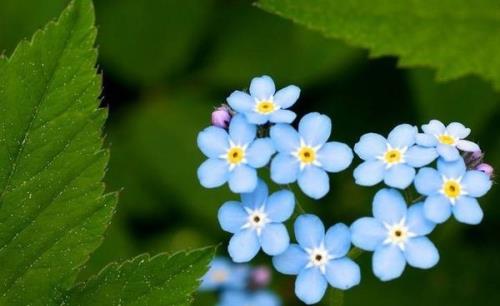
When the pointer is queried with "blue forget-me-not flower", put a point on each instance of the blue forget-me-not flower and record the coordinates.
(249, 298)
(224, 274)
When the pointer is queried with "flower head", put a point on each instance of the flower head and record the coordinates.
(318, 259)
(234, 156)
(446, 139)
(260, 276)
(221, 117)
(249, 298)
(305, 156)
(264, 104)
(396, 235)
(223, 274)
(256, 223)
(392, 160)
(452, 189)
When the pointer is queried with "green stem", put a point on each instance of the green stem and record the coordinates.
(335, 297)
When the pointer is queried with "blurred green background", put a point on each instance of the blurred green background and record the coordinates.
(166, 64)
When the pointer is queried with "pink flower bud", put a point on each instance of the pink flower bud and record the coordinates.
(221, 117)
(473, 159)
(486, 168)
(261, 276)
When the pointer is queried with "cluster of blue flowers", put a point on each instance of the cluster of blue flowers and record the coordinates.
(255, 131)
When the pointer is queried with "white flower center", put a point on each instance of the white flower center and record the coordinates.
(235, 155)
(452, 188)
(256, 220)
(318, 257)
(398, 233)
(307, 155)
(393, 156)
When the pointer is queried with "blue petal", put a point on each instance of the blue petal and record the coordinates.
(476, 183)
(259, 152)
(314, 182)
(262, 87)
(370, 146)
(454, 169)
(434, 127)
(274, 239)
(238, 278)
(292, 261)
(240, 131)
(285, 138)
(310, 286)
(315, 129)
(335, 156)
(458, 130)
(388, 262)
(338, 240)
(309, 231)
(426, 140)
(417, 222)
(399, 176)
(402, 136)
(418, 156)
(264, 298)
(282, 116)
(241, 101)
(280, 206)
(343, 273)
(256, 118)
(367, 233)
(243, 246)
(284, 168)
(369, 173)
(220, 266)
(213, 141)
(421, 253)
(428, 181)
(389, 206)
(448, 152)
(467, 146)
(213, 173)
(287, 96)
(232, 216)
(257, 197)
(233, 297)
(243, 179)
(437, 208)
(468, 211)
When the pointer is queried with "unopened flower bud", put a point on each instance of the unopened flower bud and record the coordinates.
(486, 168)
(473, 159)
(260, 277)
(221, 117)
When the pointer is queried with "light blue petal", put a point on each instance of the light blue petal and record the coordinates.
(458, 130)
(367, 233)
(388, 262)
(335, 156)
(448, 152)
(232, 216)
(220, 266)
(309, 231)
(428, 181)
(285, 138)
(468, 211)
(343, 273)
(243, 179)
(287, 96)
(399, 176)
(262, 87)
(315, 129)
(310, 286)
(421, 253)
(434, 127)
(402, 136)
(418, 156)
(314, 182)
(213, 173)
(417, 222)
(467, 146)
(292, 261)
(257, 197)
(213, 141)
(426, 140)
(282, 116)
(370, 146)
(233, 297)
(369, 173)
(476, 183)
(454, 169)
(264, 298)
(437, 208)
(238, 279)
(256, 118)
(389, 206)
(280, 206)
(284, 168)
(338, 240)
(274, 239)
(241, 101)
(240, 131)
(243, 246)
(259, 152)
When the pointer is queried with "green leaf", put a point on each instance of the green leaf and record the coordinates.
(160, 280)
(52, 209)
(457, 37)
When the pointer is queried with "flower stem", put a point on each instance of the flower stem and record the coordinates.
(336, 297)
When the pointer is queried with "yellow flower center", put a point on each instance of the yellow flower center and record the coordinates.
(265, 107)
(446, 139)
(393, 156)
(452, 189)
(235, 155)
(307, 155)
(219, 276)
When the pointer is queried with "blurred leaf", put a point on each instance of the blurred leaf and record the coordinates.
(160, 280)
(455, 37)
(52, 211)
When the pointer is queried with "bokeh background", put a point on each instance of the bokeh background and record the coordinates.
(166, 64)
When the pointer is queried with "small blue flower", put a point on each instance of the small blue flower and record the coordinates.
(396, 235)
(305, 156)
(446, 140)
(248, 298)
(452, 189)
(257, 222)
(392, 160)
(233, 157)
(318, 259)
(263, 105)
(223, 274)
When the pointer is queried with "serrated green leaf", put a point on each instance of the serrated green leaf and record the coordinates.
(160, 280)
(457, 37)
(52, 209)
